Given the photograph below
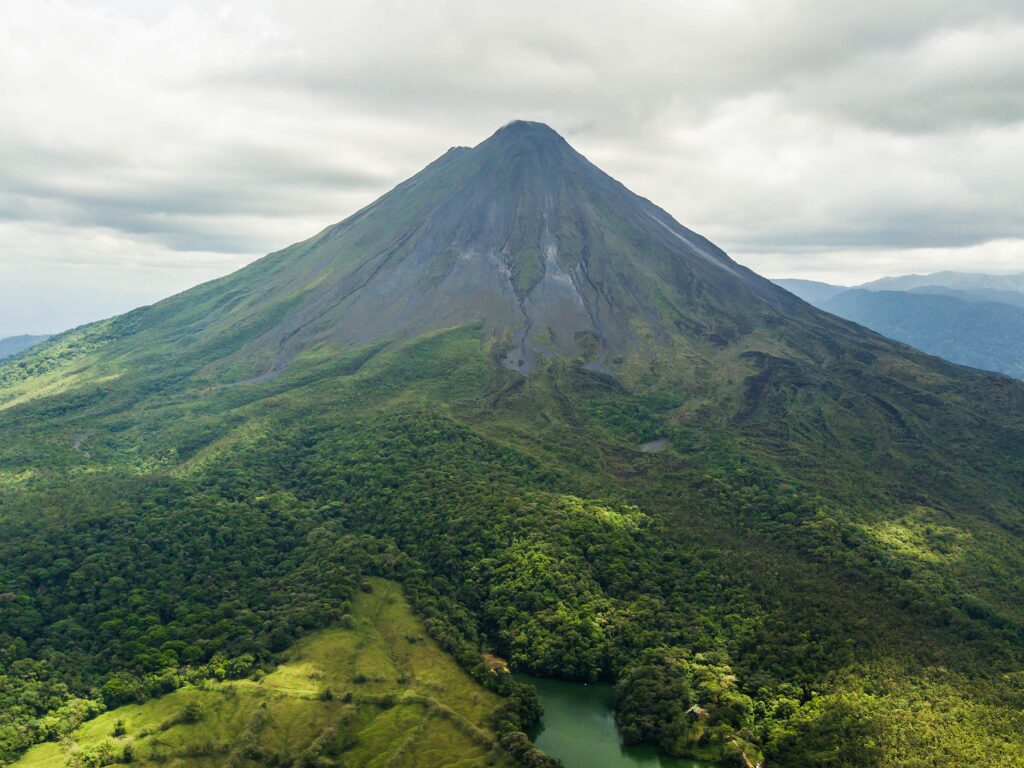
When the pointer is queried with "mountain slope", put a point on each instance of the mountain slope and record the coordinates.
(991, 295)
(522, 233)
(335, 697)
(693, 483)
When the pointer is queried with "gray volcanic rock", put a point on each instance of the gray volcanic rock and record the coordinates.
(521, 234)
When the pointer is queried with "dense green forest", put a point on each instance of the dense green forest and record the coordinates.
(373, 689)
(198, 535)
(577, 433)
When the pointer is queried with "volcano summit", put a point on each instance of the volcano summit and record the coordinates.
(523, 234)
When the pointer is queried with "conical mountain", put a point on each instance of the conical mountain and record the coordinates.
(553, 260)
(522, 234)
(578, 433)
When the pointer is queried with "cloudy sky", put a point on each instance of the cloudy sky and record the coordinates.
(148, 145)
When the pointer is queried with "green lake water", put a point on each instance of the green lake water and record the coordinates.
(579, 728)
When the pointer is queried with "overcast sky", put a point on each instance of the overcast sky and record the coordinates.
(148, 145)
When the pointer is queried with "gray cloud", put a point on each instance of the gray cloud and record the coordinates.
(146, 139)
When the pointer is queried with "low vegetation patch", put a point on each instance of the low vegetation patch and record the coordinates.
(415, 700)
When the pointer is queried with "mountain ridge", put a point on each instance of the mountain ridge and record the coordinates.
(950, 279)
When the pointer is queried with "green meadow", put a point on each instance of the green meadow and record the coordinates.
(376, 691)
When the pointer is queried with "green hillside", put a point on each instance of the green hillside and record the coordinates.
(708, 492)
(377, 691)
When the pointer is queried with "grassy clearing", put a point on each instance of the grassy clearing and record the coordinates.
(376, 692)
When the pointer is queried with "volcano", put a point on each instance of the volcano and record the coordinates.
(525, 236)
(555, 261)
(586, 442)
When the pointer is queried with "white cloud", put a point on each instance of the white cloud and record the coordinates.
(53, 278)
(797, 134)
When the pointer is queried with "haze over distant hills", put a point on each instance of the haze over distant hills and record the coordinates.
(963, 281)
(12, 345)
(972, 319)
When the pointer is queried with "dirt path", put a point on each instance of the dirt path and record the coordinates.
(79, 440)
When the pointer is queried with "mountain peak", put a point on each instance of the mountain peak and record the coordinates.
(529, 128)
(525, 135)
(523, 235)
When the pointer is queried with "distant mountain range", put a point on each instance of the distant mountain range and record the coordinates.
(12, 345)
(971, 319)
(961, 281)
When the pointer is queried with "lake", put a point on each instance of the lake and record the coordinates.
(579, 728)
